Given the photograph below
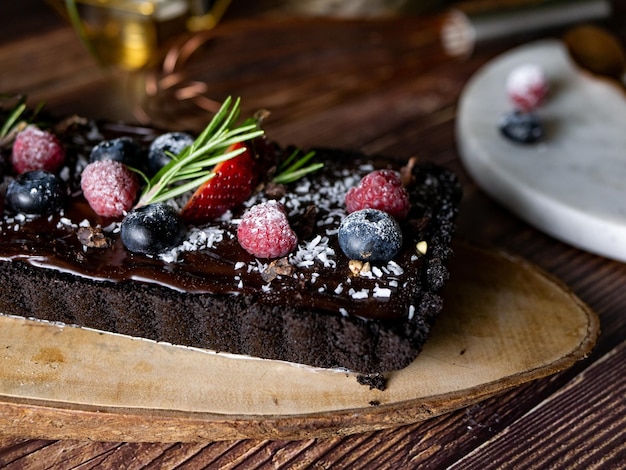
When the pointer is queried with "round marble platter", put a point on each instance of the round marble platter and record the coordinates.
(572, 185)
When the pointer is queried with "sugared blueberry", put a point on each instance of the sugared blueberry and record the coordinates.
(121, 149)
(165, 144)
(370, 235)
(152, 229)
(36, 192)
(523, 128)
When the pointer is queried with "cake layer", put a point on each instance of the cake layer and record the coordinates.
(210, 293)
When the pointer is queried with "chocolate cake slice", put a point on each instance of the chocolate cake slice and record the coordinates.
(313, 306)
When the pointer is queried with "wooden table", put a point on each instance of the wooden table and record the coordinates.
(373, 87)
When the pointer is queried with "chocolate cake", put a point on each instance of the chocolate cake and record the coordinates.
(312, 306)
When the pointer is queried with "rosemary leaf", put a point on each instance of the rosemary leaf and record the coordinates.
(194, 165)
(12, 119)
(296, 175)
(289, 172)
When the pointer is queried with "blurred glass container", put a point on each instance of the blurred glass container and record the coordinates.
(130, 34)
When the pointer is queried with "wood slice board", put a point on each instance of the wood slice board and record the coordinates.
(505, 322)
(572, 185)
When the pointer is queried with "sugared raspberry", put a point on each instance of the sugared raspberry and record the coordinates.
(265, 232)
(527, 87)
(36, 149)
(382, 190)
(109, 187)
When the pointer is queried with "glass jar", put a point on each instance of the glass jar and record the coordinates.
(130, 33)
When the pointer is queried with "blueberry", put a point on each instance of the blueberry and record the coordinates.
(36, 192)
(152, 229)
(121, 149)
(523, 128)
(370, 235)
(171, 142)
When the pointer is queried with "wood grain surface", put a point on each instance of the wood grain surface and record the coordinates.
(364, 91)
(504, 324)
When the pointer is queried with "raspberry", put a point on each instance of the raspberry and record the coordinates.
(110, 187)
(265, 232)
(527, 87)
(382, 190)
(36, 149)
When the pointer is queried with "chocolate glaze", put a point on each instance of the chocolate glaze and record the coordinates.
(51, 244)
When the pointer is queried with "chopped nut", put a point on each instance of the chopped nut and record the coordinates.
(305, 225)
(69, 122)
(421, 247)
(92, 237)
(275, 191)
(278, 267)
(358, 267)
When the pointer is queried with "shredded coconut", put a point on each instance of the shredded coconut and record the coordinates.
(411, 312)
(197, 239)
(381, 292)
(359, 295)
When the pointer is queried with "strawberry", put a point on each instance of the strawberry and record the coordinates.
(231, 185)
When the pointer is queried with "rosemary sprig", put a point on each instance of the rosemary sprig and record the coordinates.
(16, 119)
(12, 119)
(293, 168)
(194, 165)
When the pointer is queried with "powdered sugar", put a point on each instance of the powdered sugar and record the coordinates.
(109, 187)
(312, 258)
(264, 231)
(37, 149)
(527, 86)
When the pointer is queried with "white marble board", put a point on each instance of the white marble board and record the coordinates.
(572, 185)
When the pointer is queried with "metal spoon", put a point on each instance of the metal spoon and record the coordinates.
(596, 50)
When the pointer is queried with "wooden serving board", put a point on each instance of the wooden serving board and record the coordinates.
(505, 323)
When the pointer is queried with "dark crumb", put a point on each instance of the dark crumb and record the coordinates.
(377, 381)
(68, 123)
(275, 191)
(375, 403)
(306, 224)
